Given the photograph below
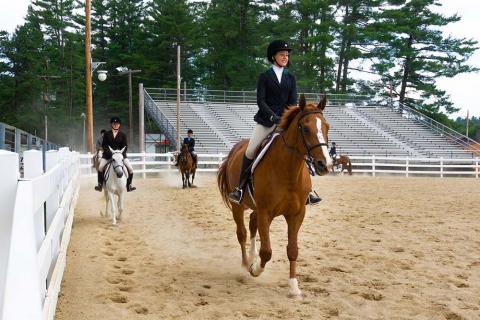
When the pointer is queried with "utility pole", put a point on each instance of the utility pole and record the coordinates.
(88, 80)
(123, 71)
(466, 129)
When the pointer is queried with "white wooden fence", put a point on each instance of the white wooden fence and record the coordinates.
(36, 218)
(367, 165)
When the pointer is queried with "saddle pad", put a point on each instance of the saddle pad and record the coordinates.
(264, 150)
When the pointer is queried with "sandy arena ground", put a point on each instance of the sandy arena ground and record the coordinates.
(375, 248)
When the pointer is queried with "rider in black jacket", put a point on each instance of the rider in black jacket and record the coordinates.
(276, 89)
(116, 140)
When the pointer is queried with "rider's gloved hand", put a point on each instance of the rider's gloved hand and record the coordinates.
(275, 119)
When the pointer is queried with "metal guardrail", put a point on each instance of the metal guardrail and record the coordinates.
(244, 96)
(453, 136)
(16, 140)
(159, 118)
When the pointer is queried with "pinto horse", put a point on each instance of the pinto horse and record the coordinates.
(186, 166)
(281, 183)
(343, 160)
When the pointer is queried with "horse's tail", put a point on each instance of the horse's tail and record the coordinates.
(349, 166)
(222, 178)
(222, 181)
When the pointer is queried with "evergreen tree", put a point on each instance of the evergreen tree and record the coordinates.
(412, 52)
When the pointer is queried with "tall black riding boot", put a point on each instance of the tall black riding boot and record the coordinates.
(313, 198)
(99, 186)
(237, 194)
(129, 183)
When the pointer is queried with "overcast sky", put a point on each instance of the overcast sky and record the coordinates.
(462, 88)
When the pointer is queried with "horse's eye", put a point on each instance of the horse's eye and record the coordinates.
(305, 130)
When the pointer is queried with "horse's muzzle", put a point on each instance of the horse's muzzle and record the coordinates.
(119, 172)
(320, 167)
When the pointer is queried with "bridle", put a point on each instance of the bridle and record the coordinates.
(305, 144)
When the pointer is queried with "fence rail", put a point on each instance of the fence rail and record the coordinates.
(35, 222)
(147, 163)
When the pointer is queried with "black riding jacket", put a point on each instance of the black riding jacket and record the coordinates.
(190, 142)
(116, 143)
(273, 97)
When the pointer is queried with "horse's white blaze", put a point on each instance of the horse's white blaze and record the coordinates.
(293, 289)
(328, 159)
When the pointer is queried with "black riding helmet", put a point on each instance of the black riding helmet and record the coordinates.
(190, 131)
(276, 46)
(116, 120)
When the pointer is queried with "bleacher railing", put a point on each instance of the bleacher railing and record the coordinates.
(16, 140)
(453, 136)
(159, 118)
(244, 96)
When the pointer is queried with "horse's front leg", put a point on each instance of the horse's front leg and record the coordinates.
(121, 202)
(105, 194)
(113, 206)
(188, 179)
(252, 226)
(265, 253)
(294, 222)
(237, 211)
(183, 181)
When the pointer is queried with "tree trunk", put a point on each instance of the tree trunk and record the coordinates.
(406, 70)
(346, 62)
(341, 55)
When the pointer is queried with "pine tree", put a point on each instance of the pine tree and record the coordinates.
(412, 52)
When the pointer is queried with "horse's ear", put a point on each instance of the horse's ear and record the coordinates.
(323, 103)
(302, 102)
(123, 149)
(111, 150)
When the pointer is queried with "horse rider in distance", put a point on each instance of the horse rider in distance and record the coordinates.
(276, 89)
(116, 140)
(190, 142)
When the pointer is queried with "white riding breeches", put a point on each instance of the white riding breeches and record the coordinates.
(103, 163)
(259, 134)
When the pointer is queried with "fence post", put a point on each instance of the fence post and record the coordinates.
(2, 136)
(18, 141)
(51, 159)
(8, 189)
(29, 141)
(441, 167)
(373, 165)
(32, 164)
(476, 168)
(406, 166)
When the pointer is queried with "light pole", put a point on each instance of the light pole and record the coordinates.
(123, 71)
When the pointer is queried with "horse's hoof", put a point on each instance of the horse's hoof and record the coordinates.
(253, 272)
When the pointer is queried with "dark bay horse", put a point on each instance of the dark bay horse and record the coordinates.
(186, 166)
(343, 160)
(281, 183)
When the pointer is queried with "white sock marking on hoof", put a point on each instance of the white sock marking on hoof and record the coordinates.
(293, 290)
(255, 269)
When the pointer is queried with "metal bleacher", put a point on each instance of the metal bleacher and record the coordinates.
(221, 119)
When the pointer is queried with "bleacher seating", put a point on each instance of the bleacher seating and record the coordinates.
(357, 130)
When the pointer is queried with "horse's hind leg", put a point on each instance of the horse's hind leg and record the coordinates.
(294, 222)
(184, 184)
(252, 225)
(237, 211)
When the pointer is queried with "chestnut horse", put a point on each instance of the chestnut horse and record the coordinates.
(281, 183)
(186, 166)
(343, 160)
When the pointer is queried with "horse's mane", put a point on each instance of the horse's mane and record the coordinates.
(290, 113)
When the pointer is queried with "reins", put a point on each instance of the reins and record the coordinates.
(308, 148)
